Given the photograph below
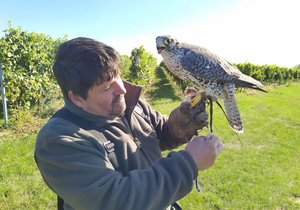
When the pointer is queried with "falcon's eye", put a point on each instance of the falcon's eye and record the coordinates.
(167, 41)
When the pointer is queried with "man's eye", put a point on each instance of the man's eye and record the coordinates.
(107, 88)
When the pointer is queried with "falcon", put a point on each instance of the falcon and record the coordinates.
(214, 77)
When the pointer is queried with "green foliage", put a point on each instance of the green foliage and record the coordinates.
(297, 66)
(270, 74)
(164, 93)
(26, 59)
(178, 82)
(142, 67)
(125, 67)
(22, 120)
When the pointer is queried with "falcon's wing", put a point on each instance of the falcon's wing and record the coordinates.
(204, 64)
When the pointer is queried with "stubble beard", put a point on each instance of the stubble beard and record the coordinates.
(118, 105)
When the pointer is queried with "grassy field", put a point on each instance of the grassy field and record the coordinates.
(264, 173)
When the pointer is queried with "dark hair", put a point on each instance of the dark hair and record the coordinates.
(81, 63)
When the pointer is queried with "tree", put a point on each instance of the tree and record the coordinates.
(26, 59)
(142, 67)
(125, 67)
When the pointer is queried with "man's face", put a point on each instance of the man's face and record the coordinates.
(106, 99)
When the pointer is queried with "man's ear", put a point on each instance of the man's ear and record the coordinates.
(76, 99)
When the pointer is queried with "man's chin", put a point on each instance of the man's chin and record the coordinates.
(119, 110)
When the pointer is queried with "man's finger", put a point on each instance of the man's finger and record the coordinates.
(220, 147)
(214, 139)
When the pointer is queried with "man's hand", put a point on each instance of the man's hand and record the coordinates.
(184, 121)
(204, 150)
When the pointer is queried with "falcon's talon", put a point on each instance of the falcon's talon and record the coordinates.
(194, 101)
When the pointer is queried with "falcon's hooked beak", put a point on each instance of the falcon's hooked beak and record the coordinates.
(160, 45)
(159, 49)
(165, 43)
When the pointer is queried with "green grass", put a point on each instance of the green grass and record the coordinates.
(21, 185)
(264, 173)
(163, 94)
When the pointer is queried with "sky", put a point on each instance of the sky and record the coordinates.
(256, 31)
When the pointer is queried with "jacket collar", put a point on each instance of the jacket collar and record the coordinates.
(131, 99)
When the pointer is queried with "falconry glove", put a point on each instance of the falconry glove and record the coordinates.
(184, 121)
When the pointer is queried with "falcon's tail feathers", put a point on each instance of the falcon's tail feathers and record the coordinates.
(233, 114)
(249, 82)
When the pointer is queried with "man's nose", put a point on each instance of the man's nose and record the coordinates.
(119, 87)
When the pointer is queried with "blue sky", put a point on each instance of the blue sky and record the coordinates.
(258, 31)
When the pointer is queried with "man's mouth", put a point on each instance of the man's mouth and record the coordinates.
(118, 99)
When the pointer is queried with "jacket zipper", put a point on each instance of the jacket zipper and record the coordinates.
(138, 143)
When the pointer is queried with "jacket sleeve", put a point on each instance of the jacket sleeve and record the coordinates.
(78, 170)
(167, 139)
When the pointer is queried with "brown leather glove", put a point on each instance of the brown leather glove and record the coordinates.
(184, 122)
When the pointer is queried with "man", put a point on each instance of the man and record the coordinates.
(79, 168)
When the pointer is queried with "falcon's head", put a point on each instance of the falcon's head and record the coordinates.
(165, 42)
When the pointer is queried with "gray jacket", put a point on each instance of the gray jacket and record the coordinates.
(75, 165)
